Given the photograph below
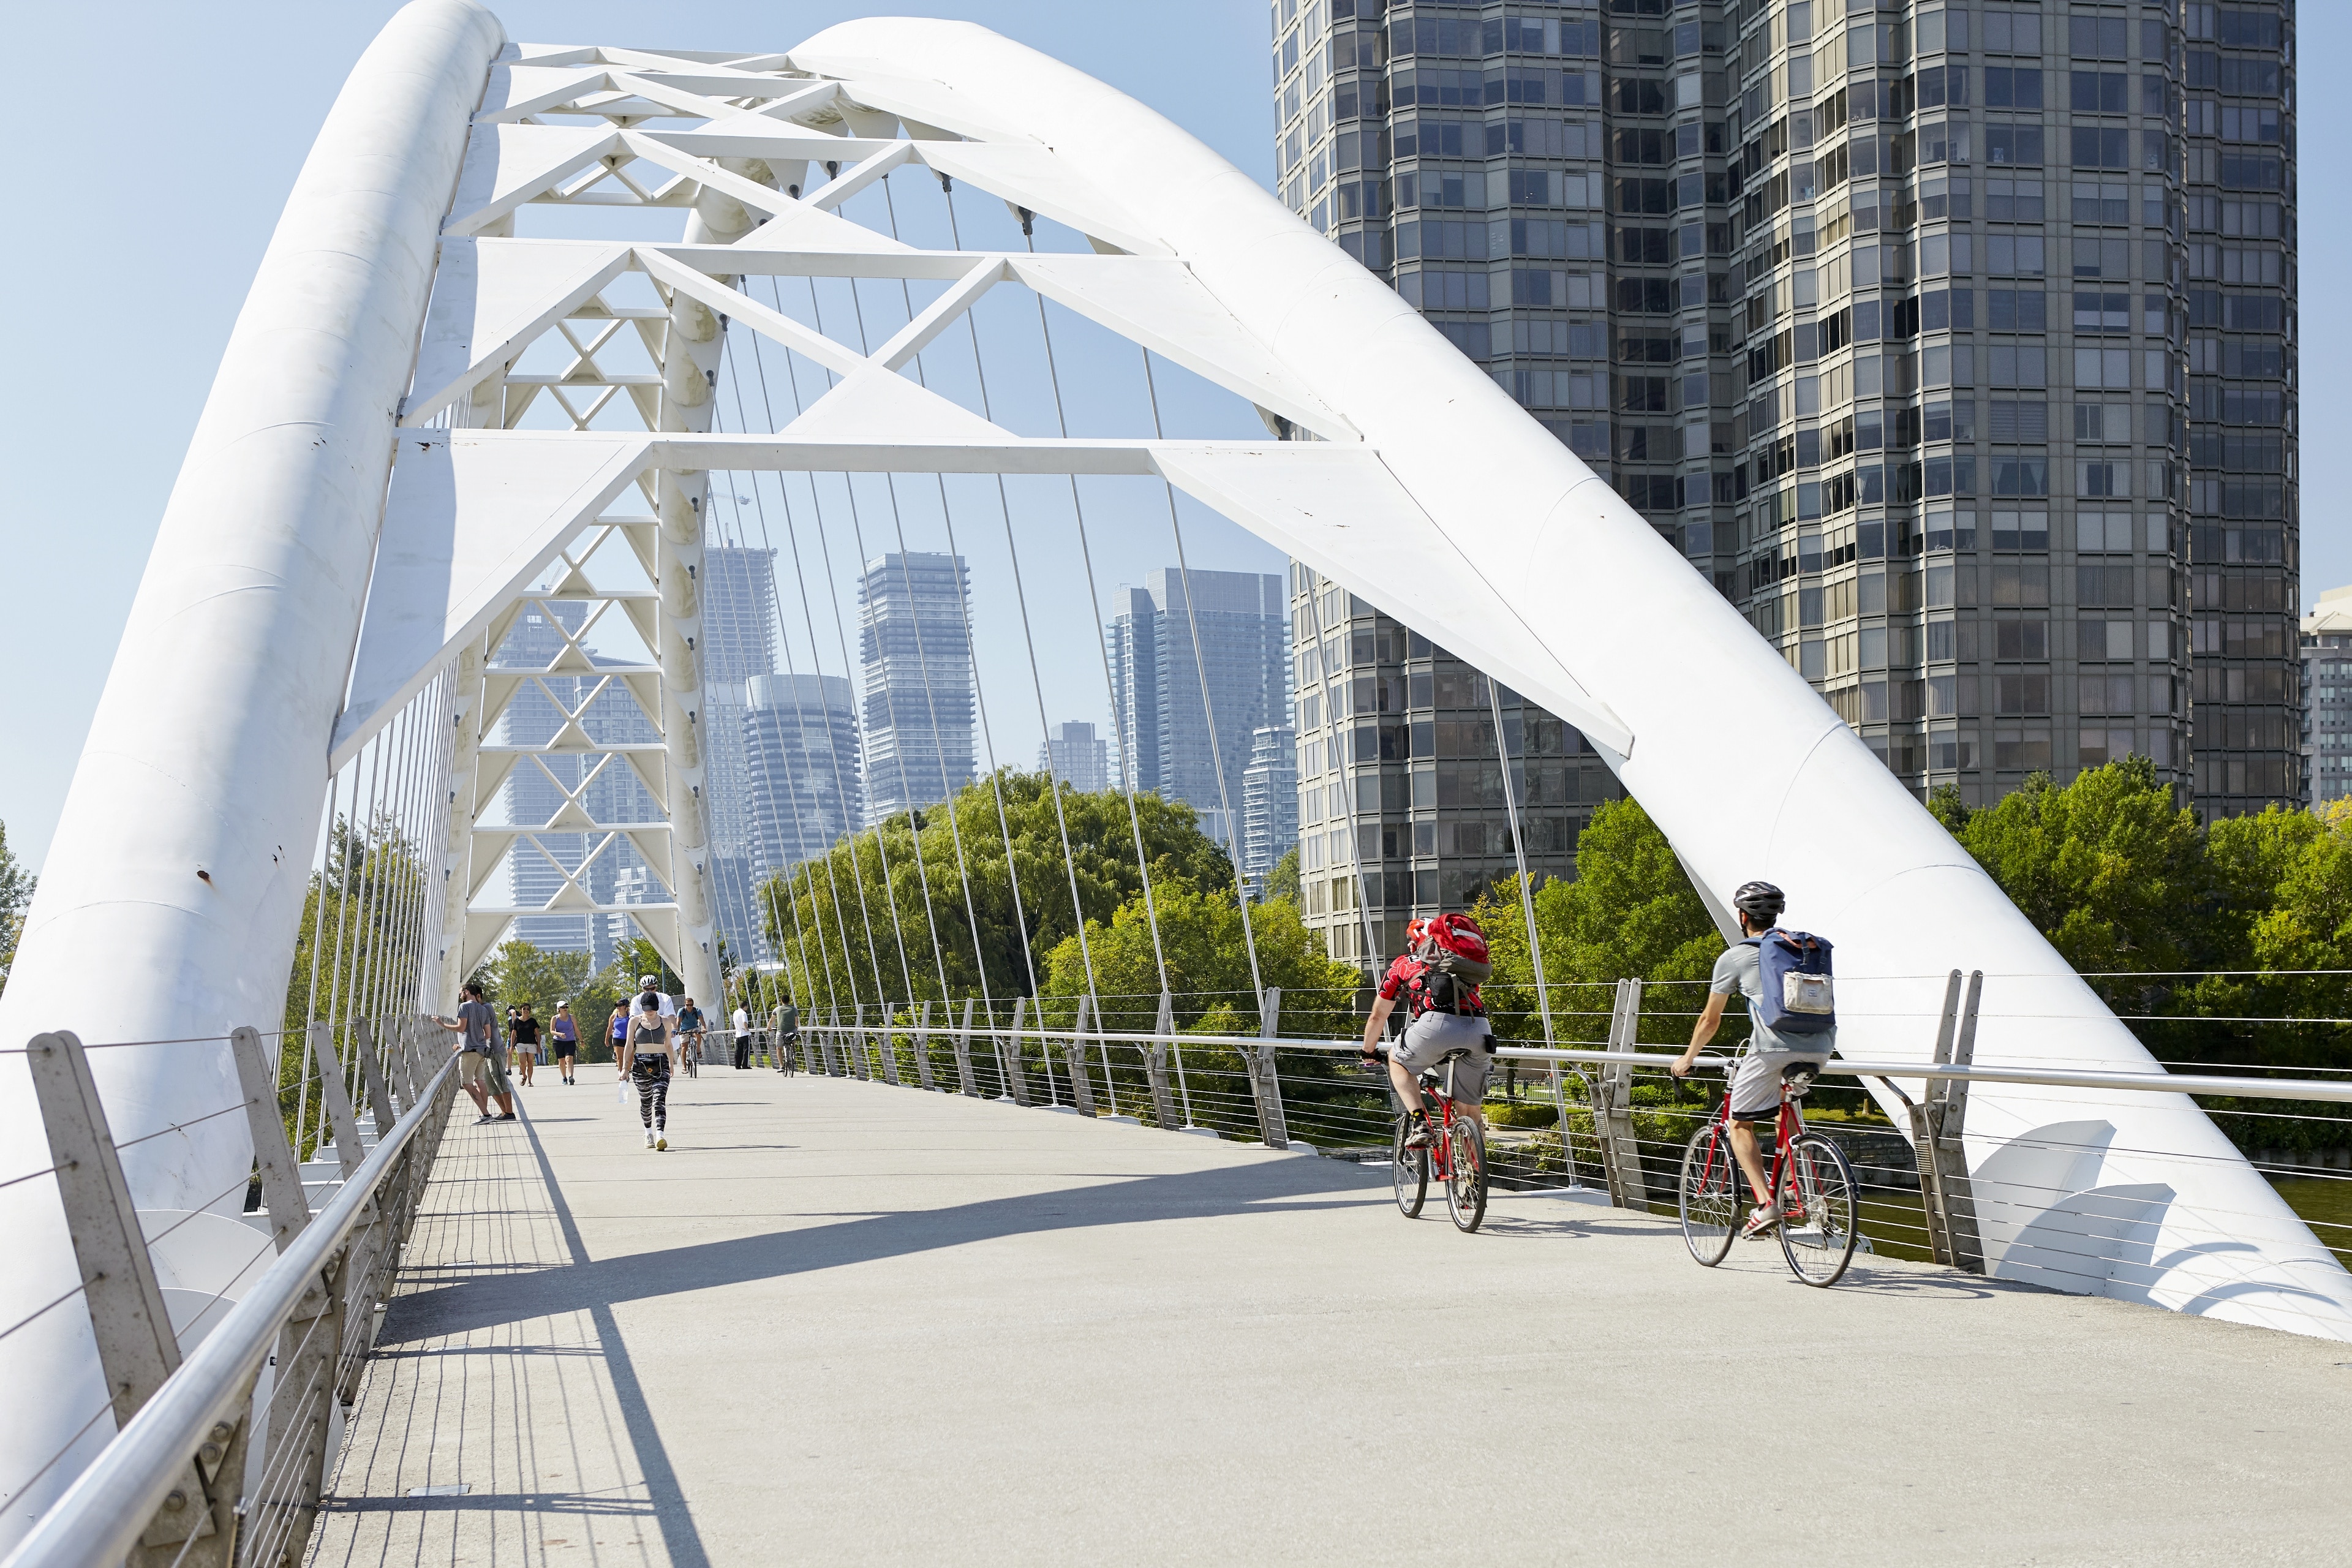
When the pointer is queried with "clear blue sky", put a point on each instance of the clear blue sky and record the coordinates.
(155, 192)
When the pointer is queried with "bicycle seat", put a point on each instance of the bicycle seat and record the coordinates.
(1796, 1077)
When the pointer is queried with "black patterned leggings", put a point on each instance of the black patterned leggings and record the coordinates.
(652, 1075)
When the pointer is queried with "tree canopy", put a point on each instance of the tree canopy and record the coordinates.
(839, 922)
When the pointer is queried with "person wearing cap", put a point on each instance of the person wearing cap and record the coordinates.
(565, 1030)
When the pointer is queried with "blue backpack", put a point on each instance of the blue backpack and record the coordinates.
(1799, 997)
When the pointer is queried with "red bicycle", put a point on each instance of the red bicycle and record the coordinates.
(1816, 1186)
(1458, 1152)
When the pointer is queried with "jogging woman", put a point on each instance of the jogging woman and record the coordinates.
(525, 1033)
(566, 1030)
(647, 1062)
(616, 1034)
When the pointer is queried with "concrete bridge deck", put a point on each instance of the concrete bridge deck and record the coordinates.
(840, 1322)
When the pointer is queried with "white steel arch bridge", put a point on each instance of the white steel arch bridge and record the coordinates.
(374, 496)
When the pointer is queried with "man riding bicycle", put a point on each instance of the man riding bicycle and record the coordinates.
(1444, 1015)
(1756, 1077)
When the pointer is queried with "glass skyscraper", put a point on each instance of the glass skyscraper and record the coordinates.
(738, 646)
(1157, 671)
(917, 685)
(800, 742)
(1954, 343)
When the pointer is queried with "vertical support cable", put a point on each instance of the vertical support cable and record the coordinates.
(1519, 852)
(1355, 849)
(1208, 709)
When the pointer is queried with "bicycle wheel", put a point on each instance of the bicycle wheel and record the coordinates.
(1465, 1175)
(1409, 1168)
(1710, 1195)
(1819, 1235)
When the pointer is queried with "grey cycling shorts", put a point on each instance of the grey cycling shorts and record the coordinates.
(1756, 1080)
(1433, 1035)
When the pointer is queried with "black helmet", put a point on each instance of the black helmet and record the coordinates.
(1760, 901)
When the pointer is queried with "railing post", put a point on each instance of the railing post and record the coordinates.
(1613, 1106)
(372, 1079)
(337, 1100)
(861, 1068)
(1559, 1103)
(137, 1348)
(1102, 1045)
(1074, 1057)
(1938, 1121)
(1155, 1065)
(889, 1045)
(1264, 1083)
(1017, 1075)
(923, 1043)
(964, 1083)
(282, 1179)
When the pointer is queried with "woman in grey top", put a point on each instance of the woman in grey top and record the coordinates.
(645, 1058)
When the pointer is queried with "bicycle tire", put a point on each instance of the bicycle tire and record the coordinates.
(1410, 1171)
(1823, 1181)
(1708, 1194)
(1465, 1176)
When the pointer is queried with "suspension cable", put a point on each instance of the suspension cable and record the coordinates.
(955, 828)
(1519, 852)
(1372, 949)
(889, 697)
(1208, 709)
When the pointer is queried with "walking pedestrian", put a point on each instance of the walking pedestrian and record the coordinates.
(566, 1030)
(742, 1037)
(525, 1030)
(479, 1072)
(616, 1031)
(646, 1061)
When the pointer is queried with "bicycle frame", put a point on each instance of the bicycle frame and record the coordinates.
(1785, 1132)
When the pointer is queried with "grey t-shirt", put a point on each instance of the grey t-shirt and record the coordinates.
(482, 1026)
(1741, 970)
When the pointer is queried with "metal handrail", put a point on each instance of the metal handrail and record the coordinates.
(100, 1516)
(2056, 1078)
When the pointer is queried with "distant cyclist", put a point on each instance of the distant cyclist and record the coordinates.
(1437, 976)
(690, 1030)
(1755, 1085)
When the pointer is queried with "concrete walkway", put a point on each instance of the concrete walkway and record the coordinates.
(844, 1322)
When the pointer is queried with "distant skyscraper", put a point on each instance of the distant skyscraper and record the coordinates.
(1157, 669)
(917, 687)
(2327, 699)
(800, 740)
(1075, 753)
(1269, 801)
(738, 644)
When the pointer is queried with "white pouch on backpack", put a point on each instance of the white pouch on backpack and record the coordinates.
(1811, 994)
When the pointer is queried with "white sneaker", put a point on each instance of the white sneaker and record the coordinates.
(649, 1137)
(661, 1143)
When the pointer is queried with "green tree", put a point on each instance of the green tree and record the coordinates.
(2109, 868)
(360, 942)
(1630, 913)
(1282, 881)
(839, 923)
(521, 974)
(1208, 965)
(16, 896)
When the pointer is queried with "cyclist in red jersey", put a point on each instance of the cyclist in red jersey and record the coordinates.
(1442, 1017)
